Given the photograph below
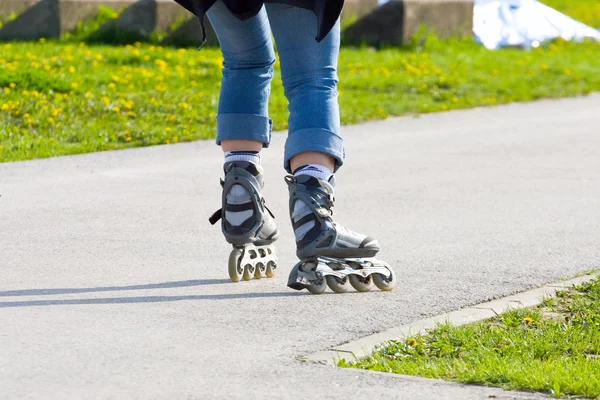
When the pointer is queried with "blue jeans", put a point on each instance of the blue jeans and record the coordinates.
(308, 73)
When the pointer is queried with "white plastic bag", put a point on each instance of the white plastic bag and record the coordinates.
(524, 23)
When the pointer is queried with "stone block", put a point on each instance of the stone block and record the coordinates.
(446, 18)
(354, 9)
(190, 34)
(74, 11)
(137, 22)
(42, 20)
(8, 7)
(397, 21)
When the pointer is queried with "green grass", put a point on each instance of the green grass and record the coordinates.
(58, 99)
(586, 11)
(554, 348)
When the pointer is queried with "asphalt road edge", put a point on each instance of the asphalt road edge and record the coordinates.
(364, 346)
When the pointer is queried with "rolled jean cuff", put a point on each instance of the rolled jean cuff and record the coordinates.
(318, 140)
(235, 126)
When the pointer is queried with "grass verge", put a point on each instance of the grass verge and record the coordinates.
(58, 99)
(586, 11)
(554, 348)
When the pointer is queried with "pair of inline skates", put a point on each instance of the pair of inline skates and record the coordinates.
(330, 255)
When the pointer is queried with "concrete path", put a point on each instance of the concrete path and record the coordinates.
(114, 285)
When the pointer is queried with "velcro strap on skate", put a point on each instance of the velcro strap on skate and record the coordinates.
(216, 217)
(239, 207)
(304, 220)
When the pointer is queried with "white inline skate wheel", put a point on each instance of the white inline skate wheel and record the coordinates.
(248, 272)
(318, 287)
(261, 270)
(360, 283)
(236, 270)
(271, 267)
(383, 283)
(338, 285)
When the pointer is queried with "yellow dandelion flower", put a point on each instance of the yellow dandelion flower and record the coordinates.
(6, 90)
(42, 40)
(116, 109)
(411, 342)
(74, 85)
(12, 85)
(128, 139)
(72, 69)
(167, 141)
(4, 107)
(50, 120)
(106, 101)
(168, 130)
(131, 114)
(112, 85)
(527, 320)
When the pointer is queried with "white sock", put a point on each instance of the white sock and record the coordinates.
(243, 155)
(315, 170)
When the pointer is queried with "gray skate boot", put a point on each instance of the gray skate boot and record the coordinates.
(330, 255)
(246, 222)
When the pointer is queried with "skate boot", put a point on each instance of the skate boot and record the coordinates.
(246, 222)
(330, 255)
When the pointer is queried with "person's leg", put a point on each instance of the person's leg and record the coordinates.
(243, 125)
(242, 120)
(314, 149)
(309, 76)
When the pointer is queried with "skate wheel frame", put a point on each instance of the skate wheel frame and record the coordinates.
(341, 273)
(252, 261)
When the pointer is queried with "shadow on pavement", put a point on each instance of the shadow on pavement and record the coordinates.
(164, 285)
(146, 299)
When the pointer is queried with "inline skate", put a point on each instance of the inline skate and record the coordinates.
(247, 224)
(330, 255)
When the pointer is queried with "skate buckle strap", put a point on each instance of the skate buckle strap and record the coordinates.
(323, 212)
(267, 208)
(216, 217)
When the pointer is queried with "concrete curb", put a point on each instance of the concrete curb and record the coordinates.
(362, 347)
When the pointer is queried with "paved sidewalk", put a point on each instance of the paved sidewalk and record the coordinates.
(115, 285)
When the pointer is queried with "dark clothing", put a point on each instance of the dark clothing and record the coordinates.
(326, 11)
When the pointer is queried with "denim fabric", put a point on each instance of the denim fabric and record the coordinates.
(308, 73)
